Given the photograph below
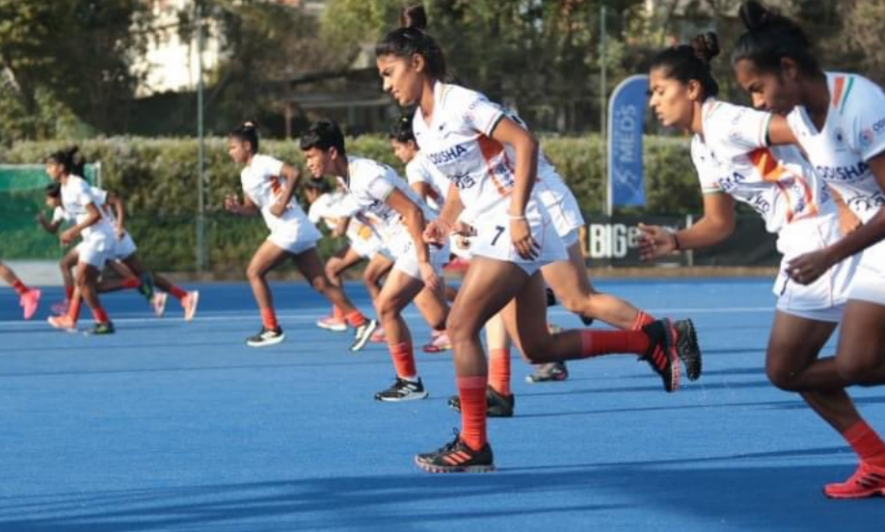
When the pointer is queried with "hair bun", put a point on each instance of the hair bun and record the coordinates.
(706, 46)
(250, 124)
(754, 15)
(414, 17)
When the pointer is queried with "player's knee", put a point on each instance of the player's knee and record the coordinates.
(780, 375)
(460, 328)
(254, 274)
(536, 351)
(388, 309)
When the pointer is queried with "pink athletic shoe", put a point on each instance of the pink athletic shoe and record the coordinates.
(30, 300)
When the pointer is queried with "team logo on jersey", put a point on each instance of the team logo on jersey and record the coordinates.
(446, 156)
(879, 126)
(843, 173)
(728, 183)
(867, 137)
(462, 180)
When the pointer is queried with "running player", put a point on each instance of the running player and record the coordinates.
(492, 165)
(839, 121)
(378, 192)
(28, 298)
(123, 259)
(363, 243)
(268, 187)
(430, 186)
(92, 226)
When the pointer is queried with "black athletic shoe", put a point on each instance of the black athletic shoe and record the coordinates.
(550, 372)
(102, 329)
(363, 335)
(497, 404)
(403, 390)
(661, 354)
(266, 337)
(586, 321)
(687, 348)
(457, 457)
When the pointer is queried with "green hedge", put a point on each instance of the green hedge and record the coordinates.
(157, 178)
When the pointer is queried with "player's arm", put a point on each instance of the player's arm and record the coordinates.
(50, 227)
(526, 147)
(93, 215)
(233, 205)
(292, 175)
(716, 225)
(116, 202)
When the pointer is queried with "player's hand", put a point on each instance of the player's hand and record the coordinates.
(41, 218)
(655, 241)
(428, 274)
(436, 232)
(232, 204)
(68, 236)
(807, 268)
(521, 236)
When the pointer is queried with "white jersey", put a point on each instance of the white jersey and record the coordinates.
(854, 133)
(732, 157)
(421, 170)
(332, 206)
(370, 183)
(60, 215)
(459, 144)
(76, 195)
(263, 183)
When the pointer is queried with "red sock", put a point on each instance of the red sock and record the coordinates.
(100, 315)
(131, 282)
(69, 292)
(404, 360)
(499, 370)
(177, 293)
(337, 312)
(355, 318)
(642, 319)
(269, 318)
(19, 287)
(472, 391)
(866, 443)
(74, 309)
(596, 343)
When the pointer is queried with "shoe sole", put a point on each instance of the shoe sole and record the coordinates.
(60, 328)
(878, 492)
(410, 397)
(558, 378)
(688, 350)
(333, 328)
(454, 469)
(489, 412)
(267, 343)
(361, 343)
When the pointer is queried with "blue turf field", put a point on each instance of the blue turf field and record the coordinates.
(179, 426)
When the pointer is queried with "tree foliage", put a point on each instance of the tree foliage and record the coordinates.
(70, 57)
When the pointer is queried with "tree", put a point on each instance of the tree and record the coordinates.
(68, 57)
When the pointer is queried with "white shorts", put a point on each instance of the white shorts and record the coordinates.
(571, 238)
(868, 283)
(123, 247)
(95, 249)
(563, 208)
(295, 237)
(406, 257)
(493, 238)
(824, 299)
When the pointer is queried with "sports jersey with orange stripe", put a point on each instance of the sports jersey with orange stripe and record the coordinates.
(292, 231)
(458, 142)
(732, 157)
(854, 133)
